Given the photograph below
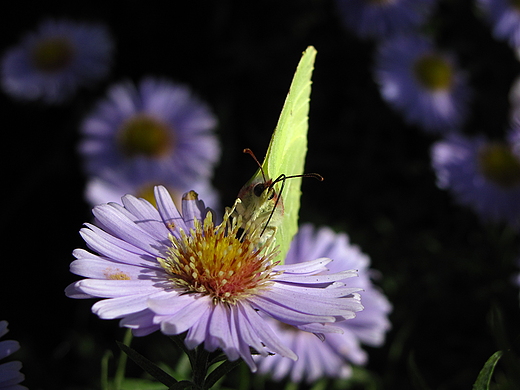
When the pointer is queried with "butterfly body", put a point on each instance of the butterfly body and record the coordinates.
(261, 204)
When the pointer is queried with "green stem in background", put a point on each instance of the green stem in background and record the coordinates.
(179, 342)
(220, 371)
(121, 364)
(148, 366)
(200, 369)
(104, 370)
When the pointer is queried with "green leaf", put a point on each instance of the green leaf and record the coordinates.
(415, 374)
(141, 384)
(220, 371)
(148, 366)
(287, 151)
(484, 377)
(104, 370)
(181, 385)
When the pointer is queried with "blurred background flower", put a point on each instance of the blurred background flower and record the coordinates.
(10, 375)
(110, 186)
(384, 18)
(156, 133)
(332, 355)
(422, 83)
(504, 18)
(482, 174)
(60, 56)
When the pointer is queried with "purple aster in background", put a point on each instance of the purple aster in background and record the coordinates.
(330, 357)
(10, 375)
(504, 17)
(51, 63)
(112, 185)
(422, 83)
(160, 269)
(482, 174)
(159, 129)
(514, 102)
(384, 18)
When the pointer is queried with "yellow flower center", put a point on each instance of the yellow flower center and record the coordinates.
(53, 54)
(143, 135)
(146, 192)
(515, 4)
(498, 164)
(433, 72)
(221, 261)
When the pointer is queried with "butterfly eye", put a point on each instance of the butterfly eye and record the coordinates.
(259, 189)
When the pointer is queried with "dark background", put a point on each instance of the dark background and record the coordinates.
(447, 274)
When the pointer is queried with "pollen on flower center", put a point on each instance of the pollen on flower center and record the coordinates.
(52, 55)
(499, 165)
(218, 261)
(145, 136)
(433, 72)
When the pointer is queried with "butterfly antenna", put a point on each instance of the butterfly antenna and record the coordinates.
(282, 178)
(250, 152)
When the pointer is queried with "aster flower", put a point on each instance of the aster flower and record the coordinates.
(504, 17)
(384, 18)
(10, 375)
(160, 269)
(330, 357)
(422, 83)
(51, 63)
(514, 101)
(112, 185)
(159, 128)
(481, 174)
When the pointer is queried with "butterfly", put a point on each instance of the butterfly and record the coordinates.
(260, 201)
(269, 196)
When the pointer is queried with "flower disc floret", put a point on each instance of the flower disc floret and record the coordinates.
(214, 261)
